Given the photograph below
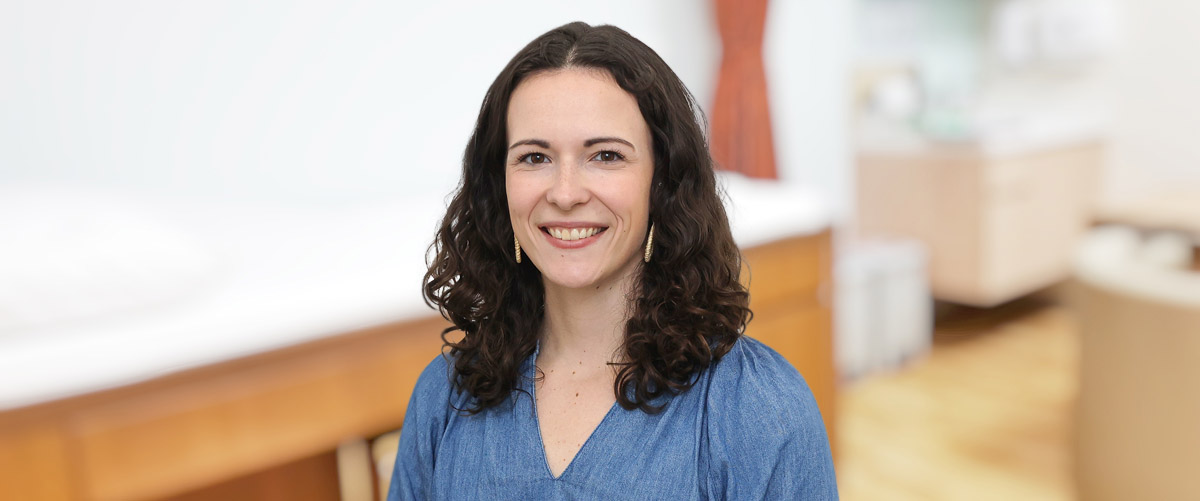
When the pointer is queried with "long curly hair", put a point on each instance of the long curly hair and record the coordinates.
(688, 307)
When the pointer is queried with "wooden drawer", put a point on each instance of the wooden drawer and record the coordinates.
(34, 462)
(250, 415)
(793, 269)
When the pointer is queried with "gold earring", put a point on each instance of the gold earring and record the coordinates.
(517, 244)
(649, 244)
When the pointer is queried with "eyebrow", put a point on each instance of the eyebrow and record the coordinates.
(536, 142)
(593, 141)
(597, 140)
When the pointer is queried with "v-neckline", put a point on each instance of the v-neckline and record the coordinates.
(537, 423)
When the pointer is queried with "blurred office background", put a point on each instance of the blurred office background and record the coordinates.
(213, 217)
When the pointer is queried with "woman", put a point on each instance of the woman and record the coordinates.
(588, 262)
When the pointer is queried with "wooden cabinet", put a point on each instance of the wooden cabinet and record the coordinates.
(214, 424)
(996, 227)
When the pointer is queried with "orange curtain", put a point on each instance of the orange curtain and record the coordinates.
(741, 120)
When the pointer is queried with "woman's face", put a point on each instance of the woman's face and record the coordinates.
(578, 176)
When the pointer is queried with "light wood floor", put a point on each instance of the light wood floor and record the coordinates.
(986, 415)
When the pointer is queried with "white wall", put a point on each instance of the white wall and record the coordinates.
(808, 52)
(337, 101)
(1156, 99)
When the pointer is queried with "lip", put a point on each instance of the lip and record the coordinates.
(572, 244)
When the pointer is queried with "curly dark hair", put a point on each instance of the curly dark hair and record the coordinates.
(688, 307)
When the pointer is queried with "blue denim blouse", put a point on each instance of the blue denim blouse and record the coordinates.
(748, 429)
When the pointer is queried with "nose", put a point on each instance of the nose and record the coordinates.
(569, 188)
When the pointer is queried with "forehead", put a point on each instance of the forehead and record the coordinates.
(574, 104)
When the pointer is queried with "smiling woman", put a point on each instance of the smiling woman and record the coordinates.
(601, 353)
(579, 195)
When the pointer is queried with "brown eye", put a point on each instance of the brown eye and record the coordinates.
(609, 156)
(533, 158)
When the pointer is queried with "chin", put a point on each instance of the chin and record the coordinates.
(570, 282)
(579, 275)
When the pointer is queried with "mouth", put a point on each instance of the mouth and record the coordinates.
(572, 234)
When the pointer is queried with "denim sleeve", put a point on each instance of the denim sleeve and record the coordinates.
(766, 437)
(424, 422)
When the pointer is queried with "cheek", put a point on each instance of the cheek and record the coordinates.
(637, 204)
(639, 197)
(520, 198)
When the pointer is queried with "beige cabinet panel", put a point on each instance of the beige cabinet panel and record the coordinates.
(996, 227)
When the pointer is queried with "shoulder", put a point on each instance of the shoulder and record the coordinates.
(425, 423)
(436, 376)
(755, 383)
(765, 436)
(431, 406)
(433, 394)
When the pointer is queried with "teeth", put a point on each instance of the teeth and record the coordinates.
(573, 233)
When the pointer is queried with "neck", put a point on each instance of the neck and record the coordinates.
(585, 327)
